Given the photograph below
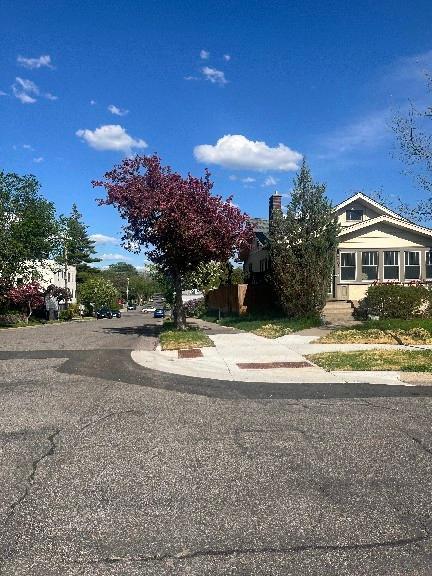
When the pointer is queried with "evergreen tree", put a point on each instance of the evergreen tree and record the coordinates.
(79, 248)
(302, 248)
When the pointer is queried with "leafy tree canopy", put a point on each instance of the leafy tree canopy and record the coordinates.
(178, 220)
(98, 292)
(28, 226)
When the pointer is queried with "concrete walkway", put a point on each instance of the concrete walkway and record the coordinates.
(246, 357)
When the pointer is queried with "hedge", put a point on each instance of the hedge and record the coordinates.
(397, 301)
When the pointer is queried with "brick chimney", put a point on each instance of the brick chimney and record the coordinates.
(275, 203)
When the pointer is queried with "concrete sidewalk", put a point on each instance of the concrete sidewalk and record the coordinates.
(235, 357)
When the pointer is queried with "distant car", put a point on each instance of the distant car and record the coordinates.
(131, 306)
(148, 309)
(106, 312)
(159, 313)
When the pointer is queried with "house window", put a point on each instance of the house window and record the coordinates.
(369, 265)
(348, 266)
(429, 265)
(391, 265)
(354, 215)
(68, 276)
(412, 265)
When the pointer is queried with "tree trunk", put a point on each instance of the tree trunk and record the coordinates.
(179, 311)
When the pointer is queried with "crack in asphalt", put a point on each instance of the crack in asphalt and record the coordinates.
(107, 416)
(31, 476)
(188, 554)
(421, 444)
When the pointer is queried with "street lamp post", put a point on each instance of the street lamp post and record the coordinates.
(127, 292)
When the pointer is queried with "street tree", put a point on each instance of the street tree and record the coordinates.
(28, 227)
(302, 248)
(177, 220)
(96, 292)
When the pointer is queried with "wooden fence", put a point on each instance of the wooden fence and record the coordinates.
(242, 299)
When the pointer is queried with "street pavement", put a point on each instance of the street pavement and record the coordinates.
(108, 468)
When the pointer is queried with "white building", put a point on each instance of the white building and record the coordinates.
(50, 272)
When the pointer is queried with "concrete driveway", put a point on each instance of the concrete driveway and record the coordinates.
(108, 468)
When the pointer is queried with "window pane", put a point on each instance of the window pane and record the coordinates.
(412, 272)
(348, 259)
(429, 271)
(369, 258)
(391, 258)
(369, 272)
(429, 258)
(412, 258)
(354, 214)
(348, 273)
(391, 272)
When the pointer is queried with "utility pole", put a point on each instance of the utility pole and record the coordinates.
(127, 292)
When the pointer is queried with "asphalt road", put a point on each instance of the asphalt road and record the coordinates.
(110, 469)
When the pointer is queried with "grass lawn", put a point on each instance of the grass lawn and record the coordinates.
(418, 331)
(172, 339)
(267, 326)
(399, 360)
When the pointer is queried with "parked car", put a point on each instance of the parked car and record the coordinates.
(131, 306)
(148, 309)
(159, 313)
(105, 312)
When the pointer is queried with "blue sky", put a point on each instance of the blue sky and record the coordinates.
(245, 88)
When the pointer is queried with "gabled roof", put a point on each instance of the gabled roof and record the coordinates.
(397, 222)
(369, 202)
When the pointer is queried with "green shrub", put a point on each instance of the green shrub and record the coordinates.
(11, 318)
(74, 308)
(66, 315)
(195, 308)
(396, 301)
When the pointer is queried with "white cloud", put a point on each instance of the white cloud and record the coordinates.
(226, 57)
(2, 93)
(103, 239)
(117, 257)
(25, 90)
(237, 152)
(38, 160)
(92, 102)
(28, 147)
(110, 137)
(270, 181)
(27, 85)
(214, 76)
(117, 111)
(22, 96)
(204, 55)
(191, 78)
(41, 62)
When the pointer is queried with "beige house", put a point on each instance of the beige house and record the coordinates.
(375, 243)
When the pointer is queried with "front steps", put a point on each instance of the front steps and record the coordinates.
(338, 313)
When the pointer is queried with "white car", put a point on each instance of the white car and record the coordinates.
(148, 309)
